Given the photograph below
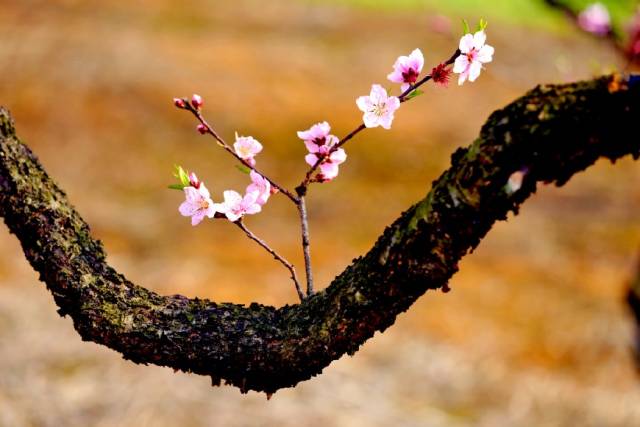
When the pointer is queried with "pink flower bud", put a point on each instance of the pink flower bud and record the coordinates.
(196, 101)
(194, 181)
(179, 102)
(202, 129)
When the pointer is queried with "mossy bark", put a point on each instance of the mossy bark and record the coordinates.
(550, 133)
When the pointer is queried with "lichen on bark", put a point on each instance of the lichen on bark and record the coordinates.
(549, 134)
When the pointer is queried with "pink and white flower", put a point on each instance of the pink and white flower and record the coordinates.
(260, 185)
(407, 69)
(474, 53)
(329, 167)
(378, 107)
(317, 138)
(236, 206)
(595, 19)
(198, 204)
(246, 147)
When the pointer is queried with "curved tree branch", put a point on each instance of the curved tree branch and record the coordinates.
(551, 133)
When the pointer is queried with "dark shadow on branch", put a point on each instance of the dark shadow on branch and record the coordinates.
(551, 133)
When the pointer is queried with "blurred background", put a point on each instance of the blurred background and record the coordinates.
(535, 331)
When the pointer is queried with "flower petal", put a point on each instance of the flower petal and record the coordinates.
(370, 120)
(485, 54)
(479, 39)
(463, 77)
(232, 198)
(386, 120)
(474, 71)
(416, 60)
(378, 93)
(329, 170)
(338, 156)
(311, 159)
(187, 208)
(197, 218)
(466, 43)
(311, 146)
(461, 64)
(363, 103)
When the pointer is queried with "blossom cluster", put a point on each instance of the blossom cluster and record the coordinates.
(198, 203)
(325, 152)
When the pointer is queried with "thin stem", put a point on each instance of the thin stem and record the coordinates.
(222, 143)
(302, 188)
(306, 247)
(278, 257)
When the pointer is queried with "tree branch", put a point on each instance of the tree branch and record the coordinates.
(552, 132)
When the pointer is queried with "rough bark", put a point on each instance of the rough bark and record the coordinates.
(551, 133)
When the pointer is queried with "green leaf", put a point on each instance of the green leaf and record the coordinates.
(465, 26)
(413, 94)
(182, 175)
(243, 169)
(482, 25)
(176, 187)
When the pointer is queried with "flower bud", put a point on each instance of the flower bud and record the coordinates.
(194, 181)
(179, 102)
(202, 129)
(196, 101)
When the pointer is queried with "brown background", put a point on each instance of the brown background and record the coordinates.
(534, 332)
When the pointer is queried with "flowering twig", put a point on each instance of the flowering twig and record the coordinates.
(205, 128)
(325, 150)
(278, 257)
(302, 188)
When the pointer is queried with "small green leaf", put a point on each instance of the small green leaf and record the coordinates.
(414, 94)
(482, 25)
(176, 187)
(243, 169)
(465, 26)
(183, 176)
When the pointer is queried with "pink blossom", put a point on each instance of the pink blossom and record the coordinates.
(198, 204)
(179, 102)
(196, 101)
(595, 19)
(202, 129)
(329, 166)
(378, 107)
(317, 138)
(246, 148)
(260, 185)
(474, 53)
(407, 69)
(236, 206)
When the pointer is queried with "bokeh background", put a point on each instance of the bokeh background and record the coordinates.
(534, 333)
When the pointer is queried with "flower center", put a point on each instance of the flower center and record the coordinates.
(379, 109)
(471, 56)
(320, 141)
(410, 76)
